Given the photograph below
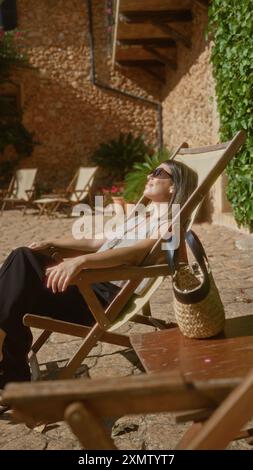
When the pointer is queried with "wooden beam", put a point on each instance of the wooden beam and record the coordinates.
(140, 63)
(227, 420)
(165, 16)
(153, 5)
(178, 36)
(88, 276)
(47, 401)
(155, 74)
(81, 331)
(155, 42)
(166, 60)
(80, 417)
(156, 30)
(144, 53)
(144, 25)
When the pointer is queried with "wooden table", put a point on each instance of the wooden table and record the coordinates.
(225, 356)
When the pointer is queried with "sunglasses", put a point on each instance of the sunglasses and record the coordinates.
(161, 173)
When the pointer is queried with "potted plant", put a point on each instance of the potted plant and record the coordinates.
(118, 155)
(114, 194)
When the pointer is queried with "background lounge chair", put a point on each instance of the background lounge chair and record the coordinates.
(78, 189)
(209, 162)
(21, 189)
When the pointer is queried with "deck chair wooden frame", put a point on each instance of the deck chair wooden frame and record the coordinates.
(78, 189)
(226, 404)
(21, 189)
(228, 354)
(113, 316)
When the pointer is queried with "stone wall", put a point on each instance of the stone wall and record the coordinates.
(69, 115)
(189, 103)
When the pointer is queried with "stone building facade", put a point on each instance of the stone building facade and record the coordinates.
(188, 96)
(189, 109)
(70, 115)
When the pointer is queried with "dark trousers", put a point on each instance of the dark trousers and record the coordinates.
(23, 290)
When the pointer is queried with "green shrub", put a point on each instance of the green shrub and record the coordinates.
(231, 25)
(17, 135)
(119, 155)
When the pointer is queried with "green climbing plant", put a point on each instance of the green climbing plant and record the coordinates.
(231, 29)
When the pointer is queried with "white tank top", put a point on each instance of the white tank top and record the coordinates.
(146, 228)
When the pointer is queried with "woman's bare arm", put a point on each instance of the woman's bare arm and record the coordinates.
(61, 275)
(89, 245)
(69, 246)
(131, 255)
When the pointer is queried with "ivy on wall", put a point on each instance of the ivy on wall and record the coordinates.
(231, 27)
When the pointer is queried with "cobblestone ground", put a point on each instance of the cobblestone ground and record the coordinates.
(230, 254)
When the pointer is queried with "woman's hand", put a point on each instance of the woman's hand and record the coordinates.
(59, 277)
(40, 246)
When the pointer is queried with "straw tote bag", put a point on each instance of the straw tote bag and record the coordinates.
(197, 304)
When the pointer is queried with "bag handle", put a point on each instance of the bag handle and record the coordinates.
(200, 292)
(196, 247)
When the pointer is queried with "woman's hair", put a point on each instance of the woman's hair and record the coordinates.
(185, 180)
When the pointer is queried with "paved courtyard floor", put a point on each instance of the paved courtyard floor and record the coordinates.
(231, 258)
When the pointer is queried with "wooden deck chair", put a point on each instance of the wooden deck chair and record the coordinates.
(229, 354)
(226, 403)
(21, 189)
(209, 162)
(78, 189)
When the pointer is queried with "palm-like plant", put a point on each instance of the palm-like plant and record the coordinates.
(118, 155)
(137, 178)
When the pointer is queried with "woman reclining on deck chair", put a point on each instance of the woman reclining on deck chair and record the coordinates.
(31, 281)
